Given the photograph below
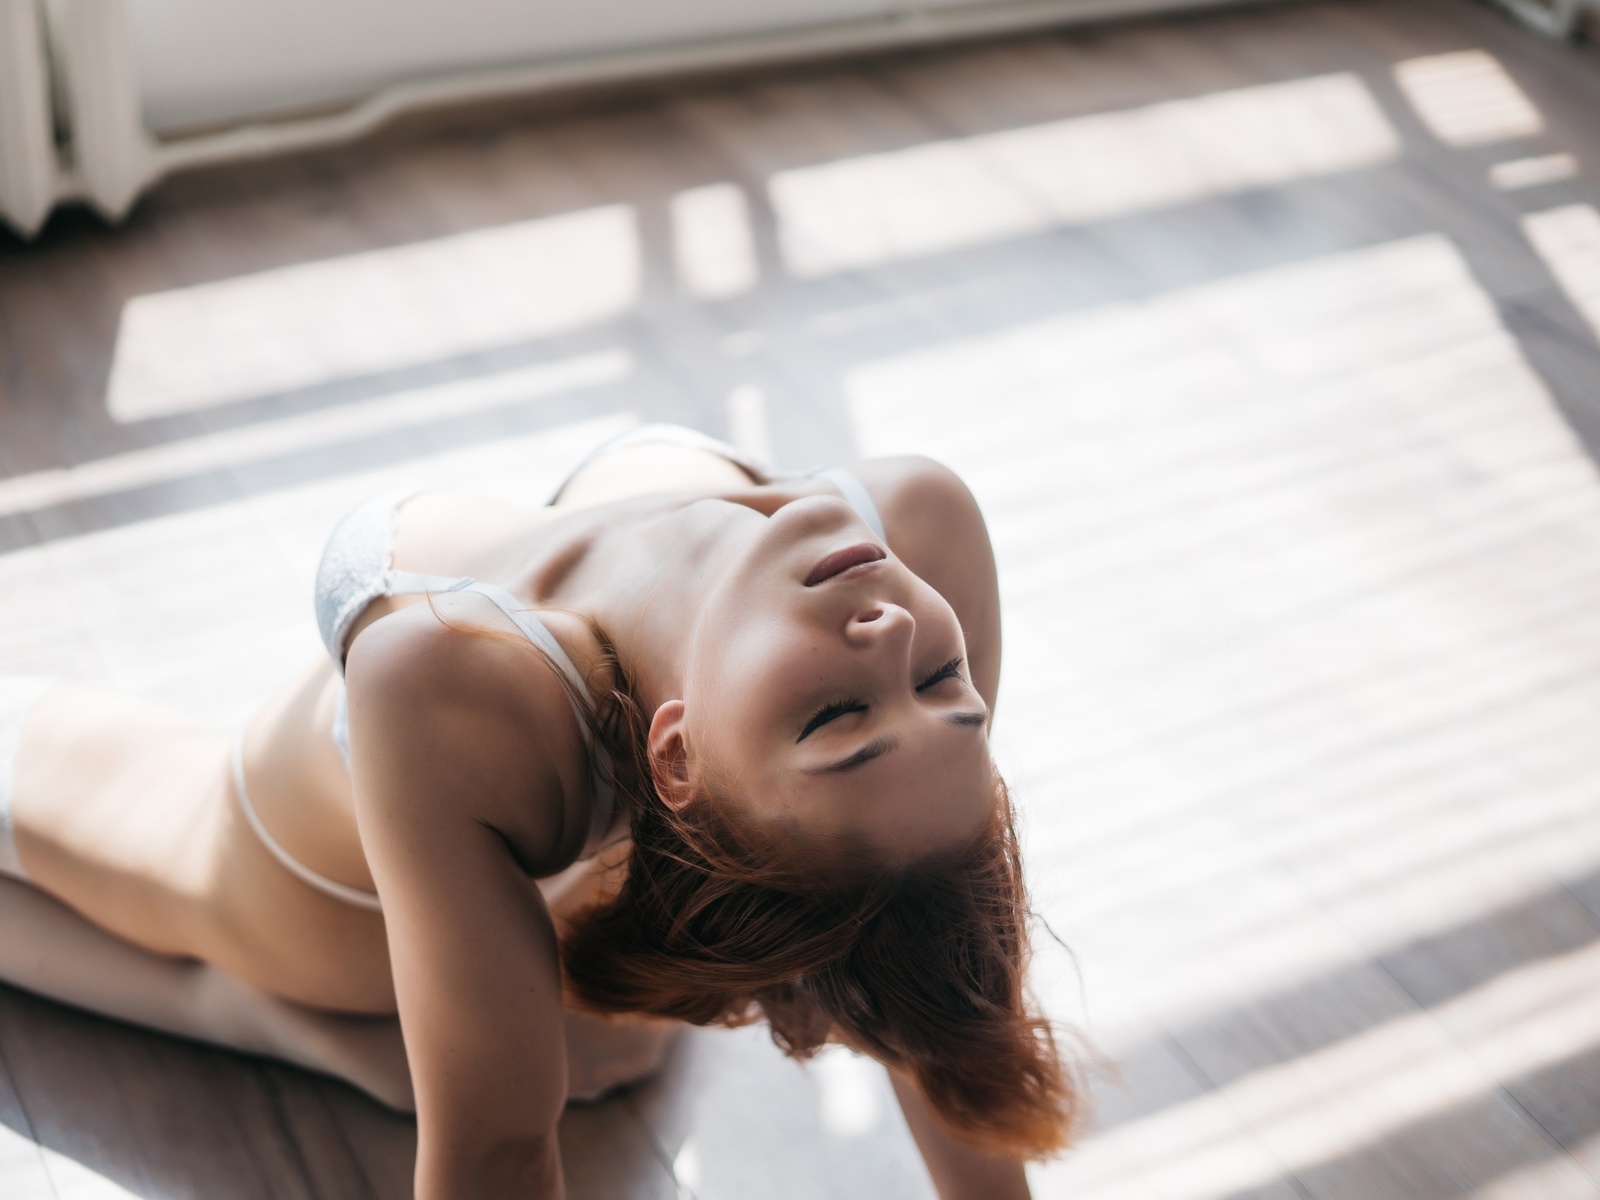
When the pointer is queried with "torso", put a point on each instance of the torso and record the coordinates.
(163, 856)
(298, 781)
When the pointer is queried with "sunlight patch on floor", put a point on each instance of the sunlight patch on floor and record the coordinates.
(1517, 173)
(713, 245)
(207, 611)
(1301, 575)
(35, 1172)
(1467, 98)
(944, 195)
(1568, 240)
(380, 310)
(318, 430)
(1342, 1098)
(22, 1163)
(741, 1120)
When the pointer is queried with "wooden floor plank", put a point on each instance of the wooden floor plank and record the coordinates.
(1298, 535)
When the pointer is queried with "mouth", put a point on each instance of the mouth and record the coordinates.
(851, 560)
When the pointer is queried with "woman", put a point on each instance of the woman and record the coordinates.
(715, 750)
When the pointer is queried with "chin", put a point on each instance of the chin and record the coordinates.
(802, 523)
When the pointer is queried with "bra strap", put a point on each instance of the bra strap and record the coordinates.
(414, 583)
(406, 583)
(537, 632)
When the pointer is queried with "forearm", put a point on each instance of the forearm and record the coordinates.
(513, 1169)
(959, 1171)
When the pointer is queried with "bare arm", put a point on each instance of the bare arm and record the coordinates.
(442, 770)
(959, 1172)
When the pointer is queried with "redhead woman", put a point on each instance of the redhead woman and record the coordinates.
(712, 747)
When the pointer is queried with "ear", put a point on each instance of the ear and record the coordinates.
(669, 756)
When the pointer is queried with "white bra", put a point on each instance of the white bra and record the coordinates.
(356, 569)
(410, 583)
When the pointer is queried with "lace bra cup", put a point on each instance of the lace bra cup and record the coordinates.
(355, 567)
(355, 571)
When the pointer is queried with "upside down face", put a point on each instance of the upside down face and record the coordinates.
(827, 692)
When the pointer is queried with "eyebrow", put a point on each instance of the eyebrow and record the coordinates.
(878, 747)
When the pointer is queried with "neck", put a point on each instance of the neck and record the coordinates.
(645, 580)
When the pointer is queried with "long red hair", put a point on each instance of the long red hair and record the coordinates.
(923, 966)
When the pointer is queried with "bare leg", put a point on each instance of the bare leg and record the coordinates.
(47, 948)
(114, 853)
(52, 949)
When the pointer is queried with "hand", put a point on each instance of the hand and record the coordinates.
(959, 1172)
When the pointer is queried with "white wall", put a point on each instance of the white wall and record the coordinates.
(207, 62)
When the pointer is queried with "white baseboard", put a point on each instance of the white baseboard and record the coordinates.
(113, 158)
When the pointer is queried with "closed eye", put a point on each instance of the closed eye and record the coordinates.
(829, 712)
(950, 670)
(838, 708)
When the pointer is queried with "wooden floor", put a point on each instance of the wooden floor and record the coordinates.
(1267, 341)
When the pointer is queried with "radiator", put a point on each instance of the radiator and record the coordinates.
(70, 115)
(69, 111)
(29, 169)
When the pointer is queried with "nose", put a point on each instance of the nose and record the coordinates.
(882, 623)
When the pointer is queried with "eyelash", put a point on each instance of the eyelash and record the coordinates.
(838, 708)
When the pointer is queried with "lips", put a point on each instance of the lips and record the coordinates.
(844, 560)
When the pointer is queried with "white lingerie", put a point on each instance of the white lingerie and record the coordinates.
(356, 568)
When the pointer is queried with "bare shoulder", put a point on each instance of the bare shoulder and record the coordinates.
(922, 500)
(456, 704)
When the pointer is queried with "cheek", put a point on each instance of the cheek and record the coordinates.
(737, 719)
(755, 674)
(934, 611)
(777, 667)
